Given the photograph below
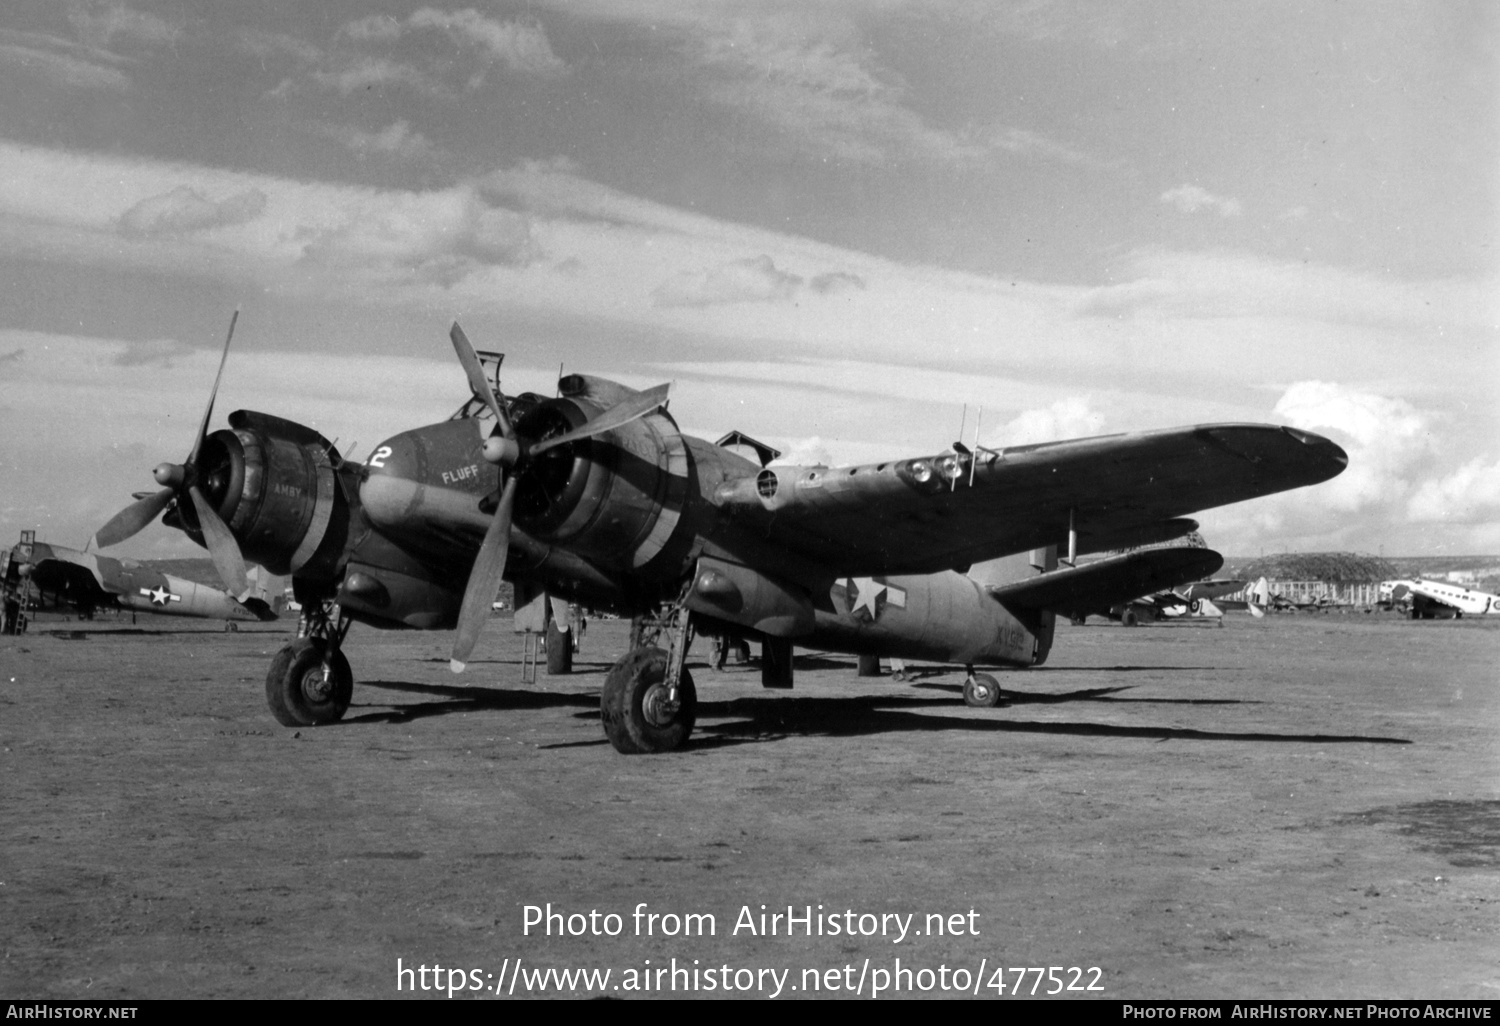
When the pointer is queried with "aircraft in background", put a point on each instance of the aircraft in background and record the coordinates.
(38, 575)
(596, 497)
(1197, 600)
(1427, 600)
(1260, 598)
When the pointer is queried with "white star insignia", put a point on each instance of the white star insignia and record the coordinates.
(866, 592)
(159, 595)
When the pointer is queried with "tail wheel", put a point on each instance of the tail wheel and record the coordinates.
(1129, 618)
(637, 717)
(298, 691)
(981, 691)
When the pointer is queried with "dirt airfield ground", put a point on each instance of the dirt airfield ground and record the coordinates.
(1303, 806)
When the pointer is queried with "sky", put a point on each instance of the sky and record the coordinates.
(850, 229)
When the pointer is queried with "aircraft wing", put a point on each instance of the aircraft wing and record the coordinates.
(1209, 589)
(70, 576)
(1096, 586)
(922, 515)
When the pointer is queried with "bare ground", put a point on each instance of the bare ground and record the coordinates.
(1305, 806)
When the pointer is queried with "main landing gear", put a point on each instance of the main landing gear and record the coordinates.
(310, 683)
(981, 691)
(649, 703)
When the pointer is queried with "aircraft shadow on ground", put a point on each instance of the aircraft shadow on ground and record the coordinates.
(758, 720)
(1092, 695)
(761, 720)
(465, 699)
(579, 666)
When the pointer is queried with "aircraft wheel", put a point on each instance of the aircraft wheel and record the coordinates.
(559, 650)
(981, 691)
(296, 691)
(631, 705)
(1129, 618)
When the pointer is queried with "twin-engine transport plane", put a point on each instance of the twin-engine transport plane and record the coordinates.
(596, 497)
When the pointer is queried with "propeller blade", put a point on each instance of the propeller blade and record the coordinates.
(221, 546)
(132, 518)
(484, 578)
(478, 383)
(209, 409)
(616, 416)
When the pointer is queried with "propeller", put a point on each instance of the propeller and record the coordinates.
(178, 478)
(512, 453)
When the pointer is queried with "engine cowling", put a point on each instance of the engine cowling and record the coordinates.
(616, 498)
(274, 483)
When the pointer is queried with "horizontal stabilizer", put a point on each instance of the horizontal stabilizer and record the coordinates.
(1095, 587)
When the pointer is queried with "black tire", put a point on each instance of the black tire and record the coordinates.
(559, 650)
(1129, 618)
(295, 689)
(981, 691)
(631, 689)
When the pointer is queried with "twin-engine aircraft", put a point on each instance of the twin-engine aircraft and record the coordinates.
(595, 496)
(1428, 600)
(35, 572)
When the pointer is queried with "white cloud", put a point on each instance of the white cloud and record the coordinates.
(442, 237)
(811, 77)
(753, 279)
(1388, 441)
(275, 44)
(62, 61)
(377, 72)
(1218, 284)
(162, 352)
(64, 69)
(1192, 198)
(397, 141)
(1071, 417)
(185, 209)
(522, 48)
(1469, 495)
(99, 22)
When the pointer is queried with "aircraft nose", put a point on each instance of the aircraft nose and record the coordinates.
(1323, 447)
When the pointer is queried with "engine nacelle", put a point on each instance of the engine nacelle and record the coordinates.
(615, 498)
(275, 484)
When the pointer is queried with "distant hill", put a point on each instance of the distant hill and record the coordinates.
(1305, 566)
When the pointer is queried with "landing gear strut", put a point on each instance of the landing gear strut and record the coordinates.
(310, 683)
(649, 703)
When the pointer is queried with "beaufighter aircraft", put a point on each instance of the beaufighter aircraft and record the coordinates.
(36, 572)
(596, 496)
(1429, 600)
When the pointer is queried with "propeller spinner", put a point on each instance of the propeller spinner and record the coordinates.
(180, 478)
(513, 453)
